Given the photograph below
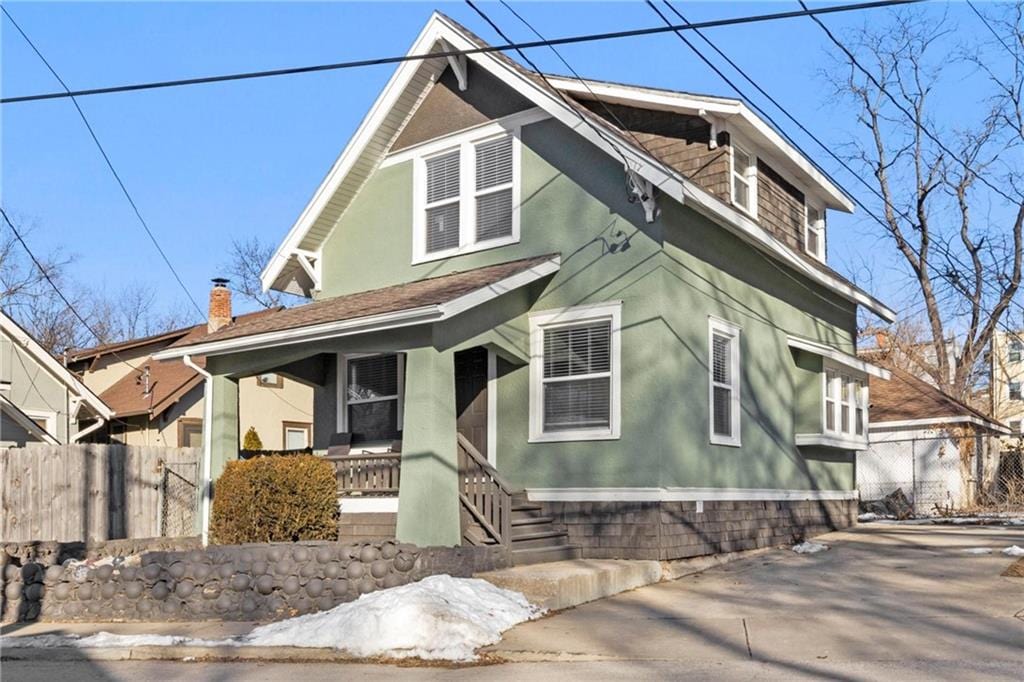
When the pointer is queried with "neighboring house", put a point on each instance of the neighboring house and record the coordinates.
(557, 322)
(1006, 362)
(917, 358)
(161, 403)
(932, 446)
(40, 400)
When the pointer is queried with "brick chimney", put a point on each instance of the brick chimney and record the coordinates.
(882, 338)
(220, 305)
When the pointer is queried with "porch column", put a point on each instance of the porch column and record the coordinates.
(220, 440)
(428, 496)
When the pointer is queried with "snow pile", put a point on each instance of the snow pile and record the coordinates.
(1014, 550)
(439, 617)
(870, 516)
(809, 547)
(977, 550)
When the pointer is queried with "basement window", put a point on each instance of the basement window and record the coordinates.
(466, 197)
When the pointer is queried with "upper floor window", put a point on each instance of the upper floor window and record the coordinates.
(1014, 390)
(846, 403)
(814, 234)
(1016, 347)
(574, 373)
(466, 197)
(744, 180)
(724, 382)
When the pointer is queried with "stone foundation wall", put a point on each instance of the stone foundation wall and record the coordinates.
(675, 530)
(230, 582)
(365, 527)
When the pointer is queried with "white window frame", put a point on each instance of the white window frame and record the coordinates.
(306, 430)
(1009, 390)
(48, 416)
(342, 389)
(720, 327)
(466, 144)
(570, 317)
(846, 380)
(749, 176)
(818, 229)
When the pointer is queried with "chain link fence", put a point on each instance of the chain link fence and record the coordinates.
(179, 496)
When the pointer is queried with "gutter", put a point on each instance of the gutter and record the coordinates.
(207, 446)
(939, 421)
(100, 421)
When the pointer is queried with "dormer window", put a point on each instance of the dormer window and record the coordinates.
(814, 232)
(744, 180)
(465, 196)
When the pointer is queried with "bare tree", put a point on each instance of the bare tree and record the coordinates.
(247, 259)
(948, 178)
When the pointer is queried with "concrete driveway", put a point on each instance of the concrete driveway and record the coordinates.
(887, 602)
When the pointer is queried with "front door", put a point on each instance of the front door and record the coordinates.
(471, 396)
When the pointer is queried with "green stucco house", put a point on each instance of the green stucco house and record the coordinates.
(567, 317)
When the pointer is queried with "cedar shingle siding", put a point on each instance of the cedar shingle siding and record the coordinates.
(780, 207)
(677, 140)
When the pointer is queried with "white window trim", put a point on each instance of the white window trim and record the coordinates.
(724, 328)
(842, 373)
(49, 416)
(342, 389)
(304, 430)
(565, 317)
(467, 194)
(818, 229)
(749, 175)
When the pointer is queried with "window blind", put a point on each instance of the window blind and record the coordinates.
(722, 385)
(494, 215)
(577, 377)
(494, 163)
(443, 177)
(372, 377)
(443, 227)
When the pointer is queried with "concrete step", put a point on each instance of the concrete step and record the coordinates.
(562, 584)
(538, 555)
(540, 539)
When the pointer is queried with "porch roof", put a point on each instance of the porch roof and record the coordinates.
(424, 301)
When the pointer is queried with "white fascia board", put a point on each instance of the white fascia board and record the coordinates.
(370, 323)
(682, 494)
(50, 363)
(938, 421)
(722, 108)
(837, 356)
(350, 154)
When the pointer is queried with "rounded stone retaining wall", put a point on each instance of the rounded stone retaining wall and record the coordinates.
(231, 582)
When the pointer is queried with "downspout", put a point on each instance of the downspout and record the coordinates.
(207, 445)
(100, 421)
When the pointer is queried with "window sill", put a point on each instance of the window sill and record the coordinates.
(569, 436)
(727, 442)
(461, 251)
(832, 440)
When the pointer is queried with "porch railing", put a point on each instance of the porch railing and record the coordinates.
(485, 497)
(369, 474)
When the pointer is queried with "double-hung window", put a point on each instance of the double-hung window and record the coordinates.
(575, 373)
(845, 403)
(814, 234)
(724, 382)
(1015, 393)
(466, 197)
(744, 180)
(371, 397)
(1016, 348)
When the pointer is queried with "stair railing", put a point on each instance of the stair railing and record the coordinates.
(483, 493)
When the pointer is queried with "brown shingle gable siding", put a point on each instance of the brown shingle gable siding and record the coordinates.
(780, 207)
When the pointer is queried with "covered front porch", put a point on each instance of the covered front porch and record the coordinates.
(404, 404)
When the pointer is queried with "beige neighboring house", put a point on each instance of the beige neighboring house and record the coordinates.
(161, 403)
(40, 400)
(1007, 377)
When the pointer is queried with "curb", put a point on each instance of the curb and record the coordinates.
(177, 653)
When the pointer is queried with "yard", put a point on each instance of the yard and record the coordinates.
(885, 602)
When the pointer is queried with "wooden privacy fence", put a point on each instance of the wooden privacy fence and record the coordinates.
(90, 492)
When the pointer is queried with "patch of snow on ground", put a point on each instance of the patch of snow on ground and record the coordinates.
(809, 547)
(1014, 550)
(439, 617)
(869, 516)
(977, 550)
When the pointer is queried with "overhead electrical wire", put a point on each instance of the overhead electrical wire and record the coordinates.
(734, 21)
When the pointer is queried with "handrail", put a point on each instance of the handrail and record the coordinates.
(368, 474)
(484, 494)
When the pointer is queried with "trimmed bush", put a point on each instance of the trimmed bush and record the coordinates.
(252, 440)
(275, 499)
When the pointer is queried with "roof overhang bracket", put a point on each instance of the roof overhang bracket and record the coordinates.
(458, 64)
(310, 262)
(642, 190)
(76, 406)
(713, 134)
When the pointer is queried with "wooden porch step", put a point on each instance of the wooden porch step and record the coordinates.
(540, 540)
(530, 520)
(522, 557)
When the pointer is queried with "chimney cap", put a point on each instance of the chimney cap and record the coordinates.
(220, 281)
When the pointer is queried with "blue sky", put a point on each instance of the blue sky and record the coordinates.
(211, 163)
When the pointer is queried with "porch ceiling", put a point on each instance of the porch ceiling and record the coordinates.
(421, 302)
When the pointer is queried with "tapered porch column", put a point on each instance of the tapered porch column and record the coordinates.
(220, 440)
(428, 496)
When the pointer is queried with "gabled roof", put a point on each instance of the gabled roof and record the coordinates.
(905, 400)
(167, 381)
(78, 354)
(44, 359)
(423, 301)
(289, 268)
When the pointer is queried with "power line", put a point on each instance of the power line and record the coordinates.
(735, 21)
(109, 163)
(998, 37)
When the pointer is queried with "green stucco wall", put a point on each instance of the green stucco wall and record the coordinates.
(33, 389)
